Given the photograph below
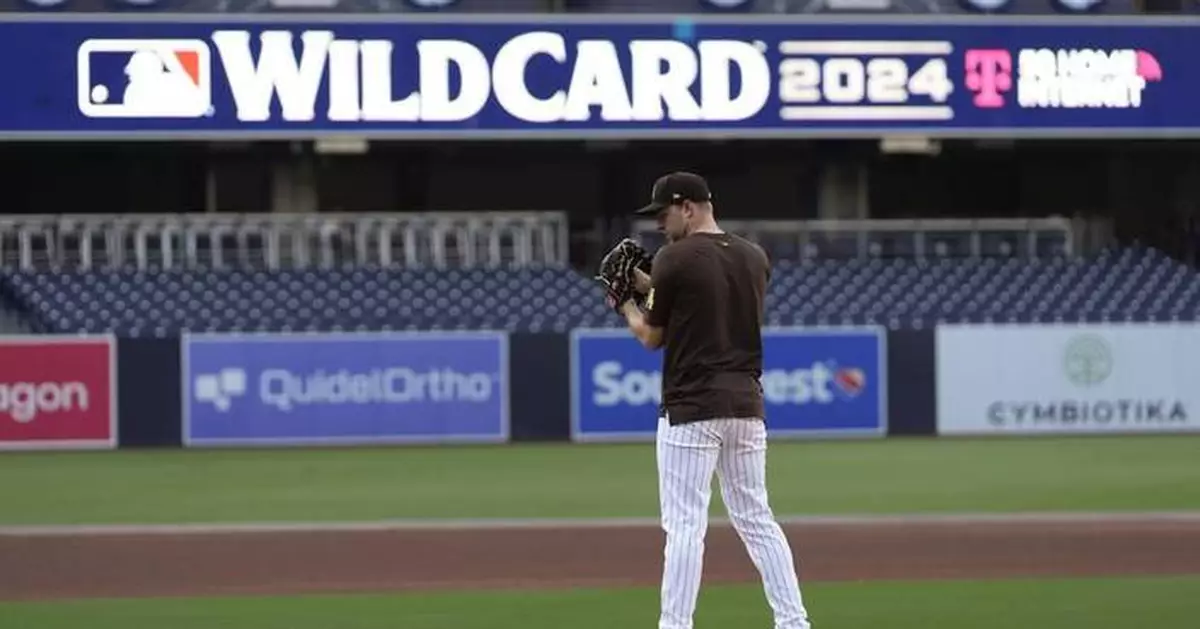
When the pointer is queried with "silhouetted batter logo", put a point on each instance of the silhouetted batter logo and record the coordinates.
(144, 78)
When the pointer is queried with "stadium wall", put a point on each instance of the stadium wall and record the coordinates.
(68, 392)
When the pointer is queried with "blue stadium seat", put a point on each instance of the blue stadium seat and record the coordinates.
(1114, 286)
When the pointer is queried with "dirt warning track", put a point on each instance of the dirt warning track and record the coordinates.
(192, 562)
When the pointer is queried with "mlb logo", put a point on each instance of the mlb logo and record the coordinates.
(144, 78)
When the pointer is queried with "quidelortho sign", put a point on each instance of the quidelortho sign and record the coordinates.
(1032, 379)
(291, 389)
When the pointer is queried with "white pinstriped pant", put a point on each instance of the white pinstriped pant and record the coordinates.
(736, 449)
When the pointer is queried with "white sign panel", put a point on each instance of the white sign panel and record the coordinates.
(1068, 379)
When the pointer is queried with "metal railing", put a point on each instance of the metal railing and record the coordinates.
(898, 238)
(274, 241)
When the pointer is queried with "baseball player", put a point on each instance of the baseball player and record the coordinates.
(703, 305)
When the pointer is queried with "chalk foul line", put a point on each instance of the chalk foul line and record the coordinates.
(493, 524)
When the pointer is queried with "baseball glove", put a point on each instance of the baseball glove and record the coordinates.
(616, 272)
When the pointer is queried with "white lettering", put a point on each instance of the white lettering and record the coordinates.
(1074, 79)
(850, 81)
(798, 386)
(799, 81)
(598, 81)
(344, 74)
(377, 102)
(844, 81)
(285, 390)
(24, 401)
(615, 386)
(662, 80)
(653, 86)
(887, 81)
(276, 72)
(717, 59)
(508, 77)
(436, 58)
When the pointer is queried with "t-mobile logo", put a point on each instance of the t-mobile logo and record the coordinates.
(220, 388)
(989, 73)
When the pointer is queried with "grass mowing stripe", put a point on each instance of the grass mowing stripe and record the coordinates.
(592, 481)
(1164, 603)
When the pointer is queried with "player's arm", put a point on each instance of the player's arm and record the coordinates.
(641, 282)
(660, 286)
(651, 337)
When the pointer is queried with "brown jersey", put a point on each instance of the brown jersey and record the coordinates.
(707, 294)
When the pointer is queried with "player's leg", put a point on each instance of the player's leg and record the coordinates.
(687, 457)
(742, 470)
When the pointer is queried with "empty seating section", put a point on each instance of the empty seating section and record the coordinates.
(1122, 286)
(161, 303)
(521, 282)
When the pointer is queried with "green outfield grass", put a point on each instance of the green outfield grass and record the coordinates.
(885, 476)
(1161, 603)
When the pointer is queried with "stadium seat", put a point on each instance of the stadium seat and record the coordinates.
(1124, 285)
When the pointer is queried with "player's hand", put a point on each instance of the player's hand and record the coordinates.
(641, 259)
(617, 269)
(637, 259)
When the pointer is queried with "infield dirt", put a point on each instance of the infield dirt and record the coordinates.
(34, 567)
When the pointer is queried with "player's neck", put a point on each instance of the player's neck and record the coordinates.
(708, 227)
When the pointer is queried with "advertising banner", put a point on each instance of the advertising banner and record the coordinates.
(818, 383)
(57, 393)
(1035, 379)
(345, 389)
(517, 7)
(583, 76)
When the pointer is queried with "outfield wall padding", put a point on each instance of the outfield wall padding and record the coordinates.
(150, 388)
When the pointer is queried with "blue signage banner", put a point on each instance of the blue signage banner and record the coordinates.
(345, 389)
(591, 76)
(816, 383)
(662, 7)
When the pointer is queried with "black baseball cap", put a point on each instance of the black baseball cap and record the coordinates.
(674, 188)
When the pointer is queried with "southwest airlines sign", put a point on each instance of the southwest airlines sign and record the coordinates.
(562, 76)
(815, 383)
